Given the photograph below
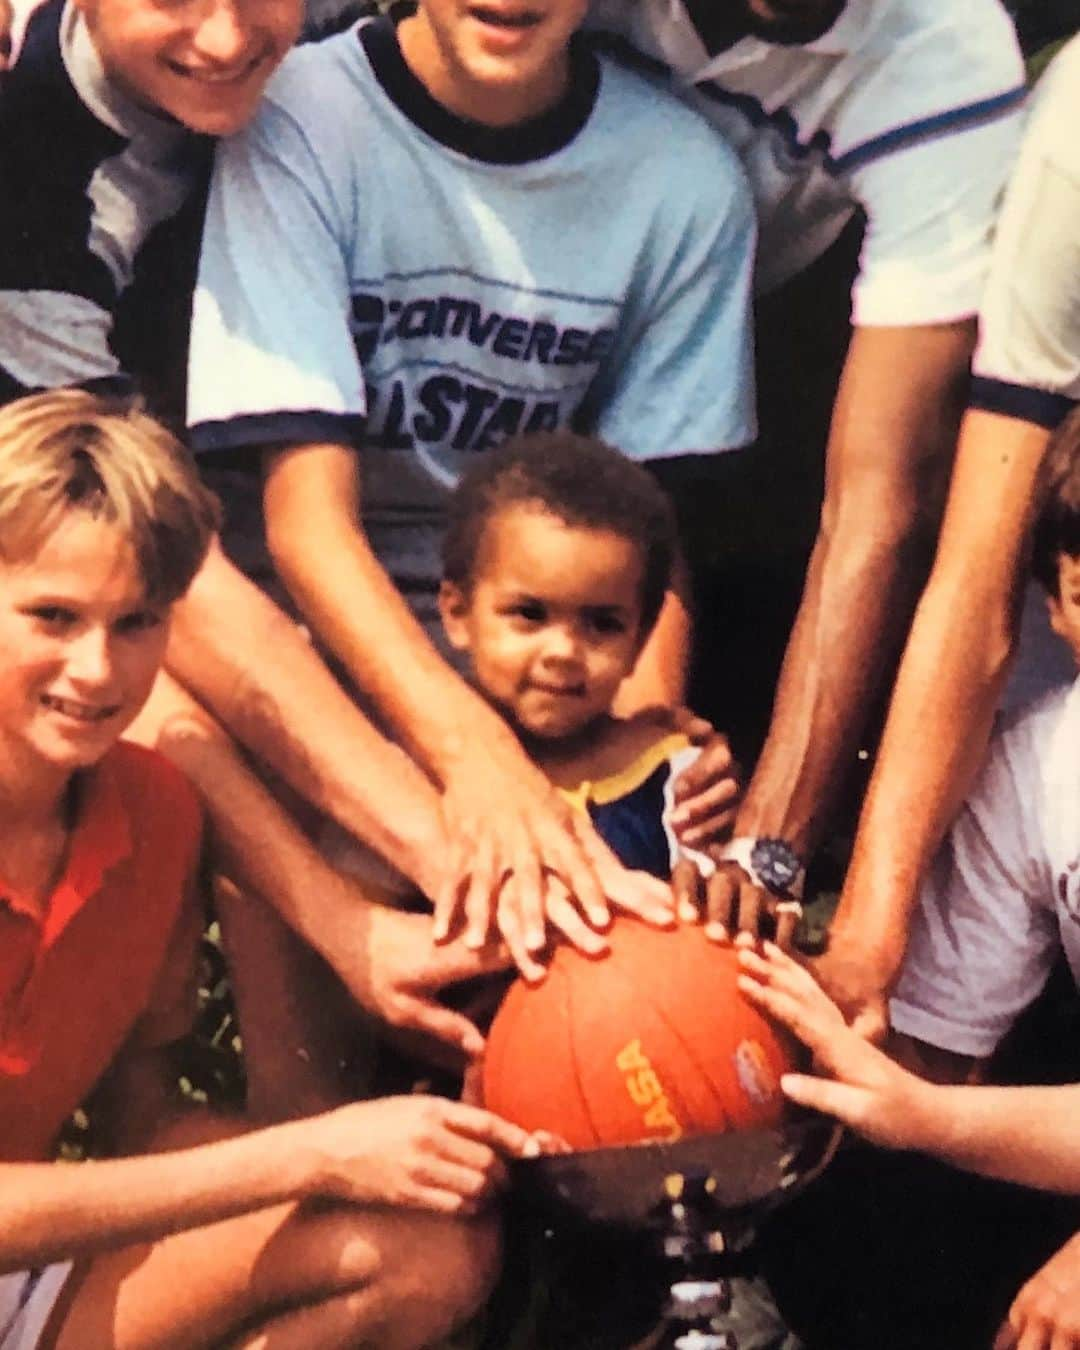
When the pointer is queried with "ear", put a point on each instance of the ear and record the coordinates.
(1057, 617)
(454, 612)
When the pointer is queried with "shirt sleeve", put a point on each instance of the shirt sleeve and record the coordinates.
(930, 206)
(1027, 363)
(682, 378)
(272, 358)
(986, 935)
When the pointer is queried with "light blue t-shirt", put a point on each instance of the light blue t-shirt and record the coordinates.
(377, 272)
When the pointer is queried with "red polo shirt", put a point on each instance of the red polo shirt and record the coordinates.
(114, 954)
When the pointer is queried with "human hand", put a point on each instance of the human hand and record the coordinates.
(390, 965)
(735, 905)
(857, 983)
(867, 1091)
(523, 857)
(6, 19)
(421, 1152)
(707, 791)
(1045, 1315)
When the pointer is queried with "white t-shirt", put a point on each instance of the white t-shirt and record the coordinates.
(1003, 896)
(909, 109)
(1027, 363)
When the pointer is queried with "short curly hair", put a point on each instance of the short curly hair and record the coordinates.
(1057, 528)
(582, 482)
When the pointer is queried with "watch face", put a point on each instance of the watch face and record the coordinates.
(776, 863)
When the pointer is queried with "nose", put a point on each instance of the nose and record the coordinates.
(223, 30)
(563, 643)
(90, 659)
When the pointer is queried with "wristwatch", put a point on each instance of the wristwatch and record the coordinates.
(769, 862)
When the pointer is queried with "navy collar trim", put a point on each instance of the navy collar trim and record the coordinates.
(520, 144)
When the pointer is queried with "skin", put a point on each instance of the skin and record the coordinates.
(950, 678)
(1064, 606)
(203, 62)
(82, 648)
(891, 439)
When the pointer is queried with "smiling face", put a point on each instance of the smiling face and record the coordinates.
(203, 62)
(497, 62)
(81, 648)
(551, 621)
(1064, 607)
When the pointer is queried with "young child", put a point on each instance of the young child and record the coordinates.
(102, 525)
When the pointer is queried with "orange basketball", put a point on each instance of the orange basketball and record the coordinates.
(649, 1043)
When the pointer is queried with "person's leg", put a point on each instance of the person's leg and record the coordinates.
(292, 1010)
(308, 1277)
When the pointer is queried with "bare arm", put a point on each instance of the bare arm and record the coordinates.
(950, 678)
(250, 664)
(503, 816)
(890, 444)
(1022, 1134)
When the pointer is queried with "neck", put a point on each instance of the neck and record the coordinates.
(32, 796)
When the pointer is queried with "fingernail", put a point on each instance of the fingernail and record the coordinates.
(531, 1148)
(600, 918)
(687, 912)
(716, 932)
(680, 816)
(744, 939)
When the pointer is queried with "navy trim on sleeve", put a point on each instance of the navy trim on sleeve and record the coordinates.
(308, 425)
(1039, 406)
(929, 128)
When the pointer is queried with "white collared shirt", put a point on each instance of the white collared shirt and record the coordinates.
(908, 109)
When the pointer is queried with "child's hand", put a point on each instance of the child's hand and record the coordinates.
(419, 1152)
(870, 1093)
(1045, 1315)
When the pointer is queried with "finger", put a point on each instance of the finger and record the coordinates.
(630, 891)
(472, 1084)
(714, 829)
(713, 794)
(509, 923)
(788, 916)
(815, 1034)
(570, 854)
(482, 886)
(846, 1103)
(753, 904)
(563, 915)
(1006, 1337)
(446, 901)
(527, 885)
(474, 1122)
(715, 760)
(721, 896)
(686, 886)
(449, 1027)
(694, 727)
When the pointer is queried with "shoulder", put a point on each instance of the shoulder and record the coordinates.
(156, 795)
(1027, 739)
(638, 96)
(1055, 114)
(926, 69)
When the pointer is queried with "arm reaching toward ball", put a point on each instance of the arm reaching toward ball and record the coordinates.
(1020, 1134)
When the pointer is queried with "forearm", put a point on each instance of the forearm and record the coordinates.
(1021, 1134)
(257, 672)
(358, 612)
(51, 1211)
(950, 679)
(859, 590)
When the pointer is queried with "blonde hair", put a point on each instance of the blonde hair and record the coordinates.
(69, 450)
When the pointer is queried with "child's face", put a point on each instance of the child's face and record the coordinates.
(203, 62)
(494, 61)
(552, 621)
(1065, 606)
(81, 646)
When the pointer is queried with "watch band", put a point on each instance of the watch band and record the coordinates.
(769, 862)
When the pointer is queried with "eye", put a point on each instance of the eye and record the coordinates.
(138, 621)
(529, 611)
(607, 622)
(53, 616)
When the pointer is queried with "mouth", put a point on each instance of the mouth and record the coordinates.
(90, 714)
(558, 690)
(511, 20)
(219, 76)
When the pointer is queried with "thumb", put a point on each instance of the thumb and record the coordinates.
(443, 1024)
(871, 1023)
